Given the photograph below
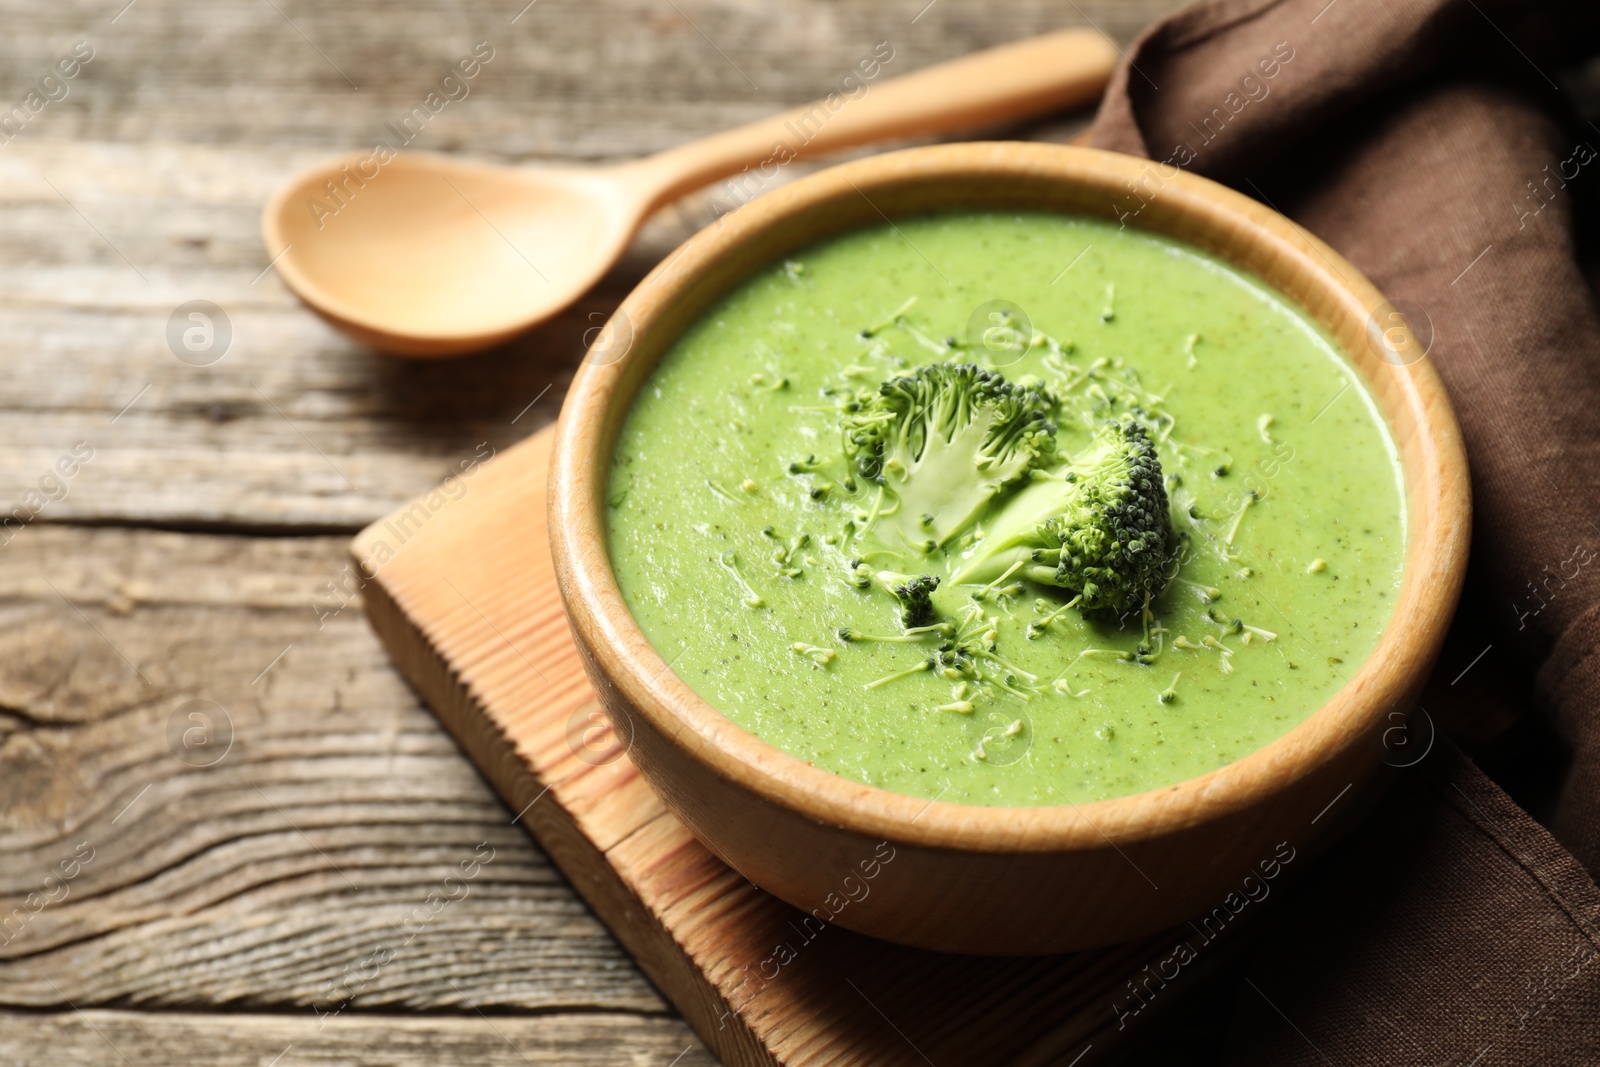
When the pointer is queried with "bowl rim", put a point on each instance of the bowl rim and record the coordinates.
(1432, 460)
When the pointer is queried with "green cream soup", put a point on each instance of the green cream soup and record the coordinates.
(736, 520)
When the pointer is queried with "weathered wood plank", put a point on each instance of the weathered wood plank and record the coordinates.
(568, 79)
(96, 1038)
(141, 190)
(318, 862)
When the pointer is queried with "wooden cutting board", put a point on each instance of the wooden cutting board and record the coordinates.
(465, 599)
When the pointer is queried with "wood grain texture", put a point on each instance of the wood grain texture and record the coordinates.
(464, 598)
(570, 80)
(271, 877)
(99, 1038)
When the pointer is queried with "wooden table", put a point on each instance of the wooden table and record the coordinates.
(227, 829)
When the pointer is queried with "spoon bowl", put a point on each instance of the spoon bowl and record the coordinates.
(433, 256)
(421, 255)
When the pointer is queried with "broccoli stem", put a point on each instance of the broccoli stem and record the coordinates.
(926, 546)
(1206, 593)
(1227, 653)
(850, 636)
(784, 556)
(1005, 684)
(908, 672)
(986, 590)
(723, 493)
(730, 563)
(893, 317)
(1012, 667)
(1233, 528)
(943, 629)
(1114, 653)
(869, 519)
(1229, 626)
(1038, 627)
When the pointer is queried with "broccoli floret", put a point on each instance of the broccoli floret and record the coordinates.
(942, 441)
(1097, 528)
(915, 593)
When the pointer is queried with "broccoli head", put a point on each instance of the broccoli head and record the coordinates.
(944, 440)
(915, 593)
(1097, 527)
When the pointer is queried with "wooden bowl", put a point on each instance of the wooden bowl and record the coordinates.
(963, 877)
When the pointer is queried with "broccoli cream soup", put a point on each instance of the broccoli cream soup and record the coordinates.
(1008, 509)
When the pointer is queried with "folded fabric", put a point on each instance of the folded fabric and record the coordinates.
(1424, 139)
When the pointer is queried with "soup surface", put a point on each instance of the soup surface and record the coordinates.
(736, 521)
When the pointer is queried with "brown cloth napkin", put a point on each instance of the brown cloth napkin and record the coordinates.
(1427, 142)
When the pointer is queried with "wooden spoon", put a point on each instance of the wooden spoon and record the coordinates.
(422, 255)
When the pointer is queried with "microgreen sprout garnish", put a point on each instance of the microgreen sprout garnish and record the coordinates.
(924, 665)
(1207, 593)
(730, 563)
(818, 655)
(723, 493)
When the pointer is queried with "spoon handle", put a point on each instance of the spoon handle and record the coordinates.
(1013, 81)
